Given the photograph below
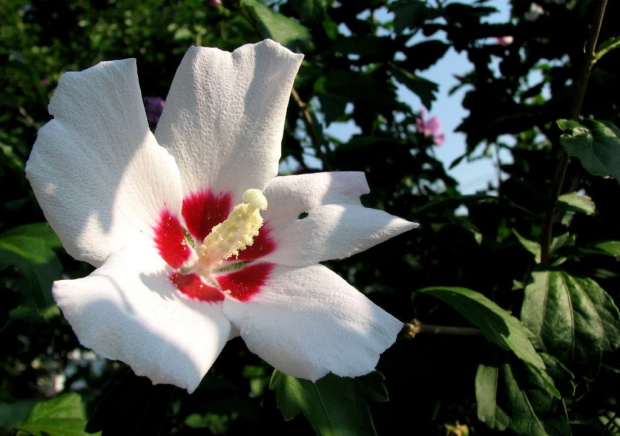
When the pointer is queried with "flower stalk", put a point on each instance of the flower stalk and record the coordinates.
(415, 327)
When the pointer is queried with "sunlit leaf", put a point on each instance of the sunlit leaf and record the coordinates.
(278, 27)
(610, 247)
(595, 143)
(333, 405)
(60, 416)
(573, 318)
(496, 324)
(577, 203)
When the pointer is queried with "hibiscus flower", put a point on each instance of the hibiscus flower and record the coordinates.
(430, 128)
(194, 238)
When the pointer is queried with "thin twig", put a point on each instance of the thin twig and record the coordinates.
(29, 120)
(310, 126)
(416, 326)
(581, 85)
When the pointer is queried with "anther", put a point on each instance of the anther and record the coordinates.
(235, 233)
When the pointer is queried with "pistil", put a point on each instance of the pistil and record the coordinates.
(232, 235)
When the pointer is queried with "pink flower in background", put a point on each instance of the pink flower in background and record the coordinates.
(430, 128)
(195, 238)
(504, 41)
(153, 106)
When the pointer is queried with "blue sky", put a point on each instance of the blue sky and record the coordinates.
(472, 176)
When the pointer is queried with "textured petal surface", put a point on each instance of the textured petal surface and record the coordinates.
(96, 169)
(128, 310)
(319, 217)
(308, 321)
(224, 116)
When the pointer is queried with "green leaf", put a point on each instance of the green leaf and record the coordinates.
(31, 249)
(407, 14)
(423, 88)
(488, 385)
(610, 247)
(61, 416)
(496, 324)
(531, 246)
(607, 46)
(573, 319)
(310, 11)
(595, 143)
(333, 107)
(363, 45)
(24, 313)
(577, 203)
(333, 405)
(278, 27)
(347, 85)
(37, 230)
(511, 394)
(424, 54)
(563, 378)
(13, 414)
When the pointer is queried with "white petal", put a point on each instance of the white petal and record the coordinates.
(224, 116)
(336, 225)
(308, 321)
(96, 169)
(128, 310)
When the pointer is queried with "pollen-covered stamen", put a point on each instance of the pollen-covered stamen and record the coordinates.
(233, 234)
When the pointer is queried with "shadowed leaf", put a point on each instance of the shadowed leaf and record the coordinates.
(512, 394)
(333, 405)
(595, 143)
(495, 323)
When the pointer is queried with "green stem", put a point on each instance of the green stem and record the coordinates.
(581, 85)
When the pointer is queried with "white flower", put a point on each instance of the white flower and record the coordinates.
(171, 287)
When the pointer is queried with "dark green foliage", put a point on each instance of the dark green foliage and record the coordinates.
(596, 144)
(333, 405)
(514, 395)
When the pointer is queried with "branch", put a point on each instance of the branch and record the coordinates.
(311, 127)
(29, 120)
(416, 326)
(581, 85)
